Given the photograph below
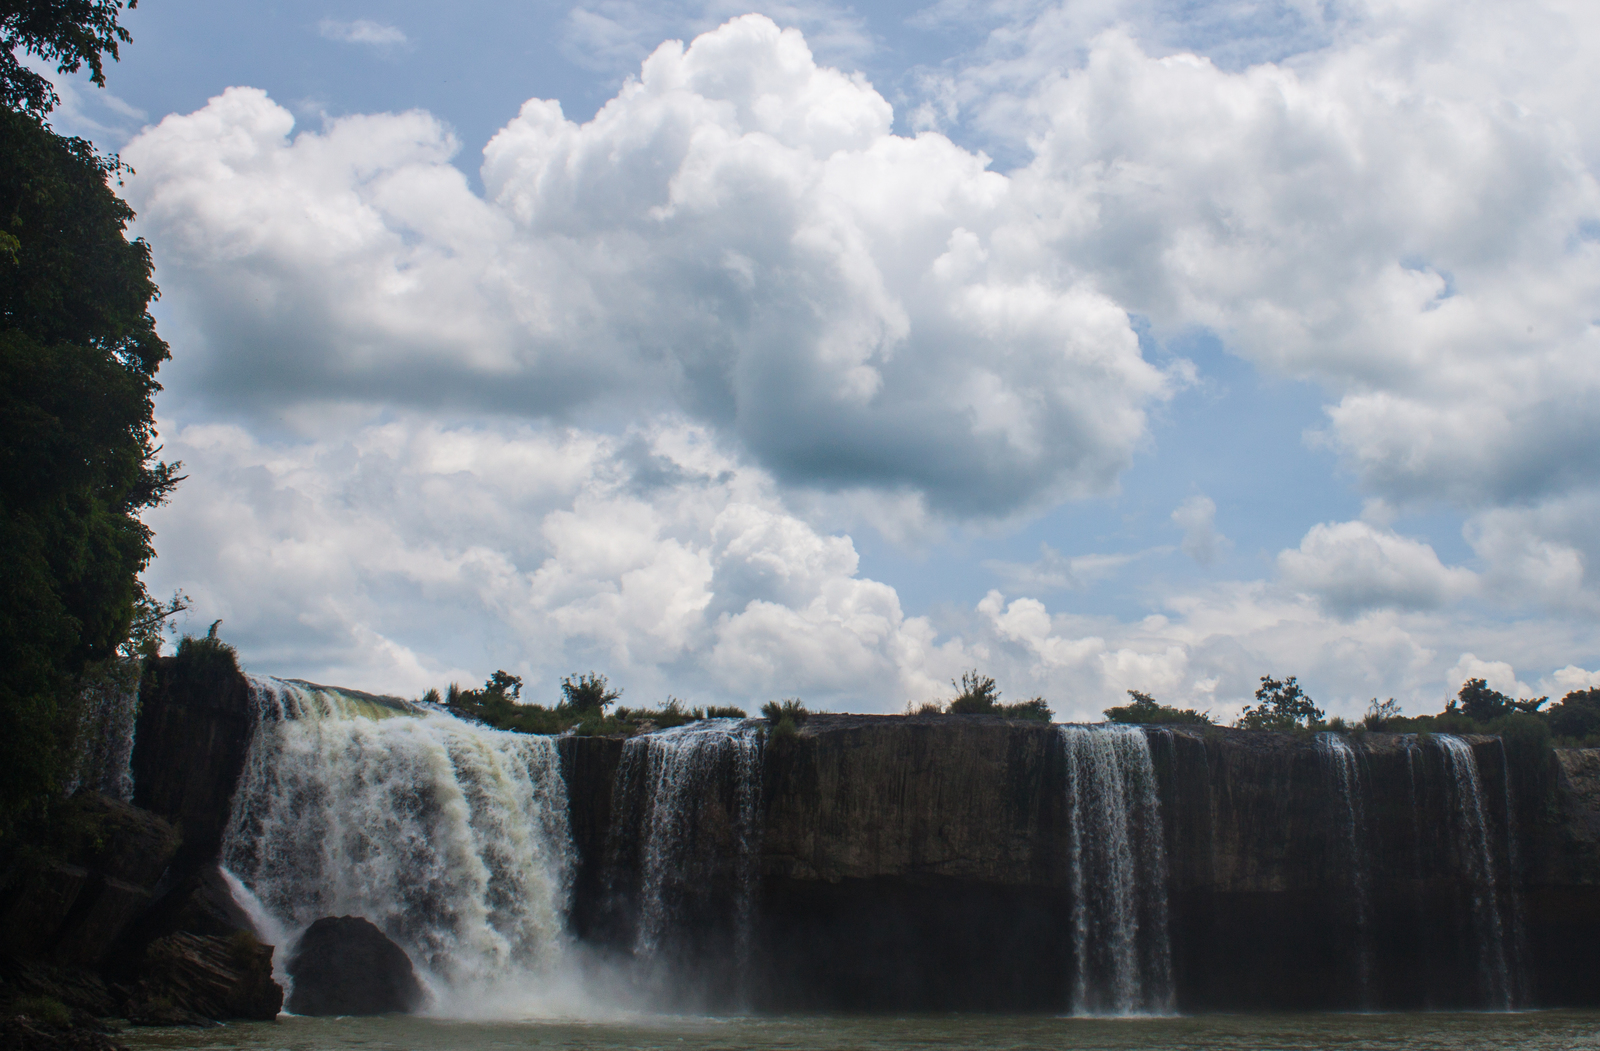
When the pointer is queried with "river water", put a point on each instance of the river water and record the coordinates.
(1526, 1031)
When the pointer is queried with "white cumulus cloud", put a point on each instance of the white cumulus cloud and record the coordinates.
(1354, 566)
(738, 235)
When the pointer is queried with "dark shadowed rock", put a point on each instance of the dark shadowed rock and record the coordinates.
(194, 730)
(343, 965)
(82, 889)
(193, 979)
(22, 1032)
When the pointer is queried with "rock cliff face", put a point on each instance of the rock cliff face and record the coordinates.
(950, 862)
(189, 748)
(929, 862)
(126, 912)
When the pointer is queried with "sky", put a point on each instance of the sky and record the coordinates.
(744, 351)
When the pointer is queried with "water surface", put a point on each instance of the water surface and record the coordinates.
(1527, 1031)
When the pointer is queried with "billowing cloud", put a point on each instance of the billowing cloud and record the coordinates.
(736, 294)
(1402, 215)
(738, 236)
(654, 557)
(408, 553)
(1354, 566)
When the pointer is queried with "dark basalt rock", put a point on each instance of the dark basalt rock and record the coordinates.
(194, 730)
(924, 862)
(72, 903)
(343, 965)
(194, 979)
(22, 1032)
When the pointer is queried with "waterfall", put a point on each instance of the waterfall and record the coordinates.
(1350, 831)
(1121, 947)
(107, 714)
(1470, 826)
(451, 837)
(698, 850)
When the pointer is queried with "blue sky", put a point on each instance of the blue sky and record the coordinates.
(833, 351)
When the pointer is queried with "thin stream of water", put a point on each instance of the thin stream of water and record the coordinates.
(1121, 946)
(1473, 835)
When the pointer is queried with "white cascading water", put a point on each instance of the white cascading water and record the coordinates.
(677, 770)
(1344, 771)
(452, 838)
(1121, 945)
(1472, 836)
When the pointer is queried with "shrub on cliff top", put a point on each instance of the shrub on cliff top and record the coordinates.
(786, 717)
(1280, 705)
(1146, 709)
(791, 709)
(207, 659)
(980, 696)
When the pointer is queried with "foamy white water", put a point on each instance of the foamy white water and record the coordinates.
(453, 838)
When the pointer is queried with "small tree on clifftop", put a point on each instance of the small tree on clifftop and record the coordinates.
(1279, 706)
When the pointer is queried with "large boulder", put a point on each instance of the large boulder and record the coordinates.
(343, 965)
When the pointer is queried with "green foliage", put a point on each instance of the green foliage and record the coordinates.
(586, 693)
(581, 710)
(1145, 709)
(978, 695)
(1576, 720)
(78, 359)
(208, 659)
(1478, 702)
(785, 716)
(68, 33)
(1379, 715)
(1036, 709)
(791, 709)
(1280, 705)
(43, 1009)
(505, 684)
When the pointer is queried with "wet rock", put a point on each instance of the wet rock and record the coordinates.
(191, 979)
(343, 965)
